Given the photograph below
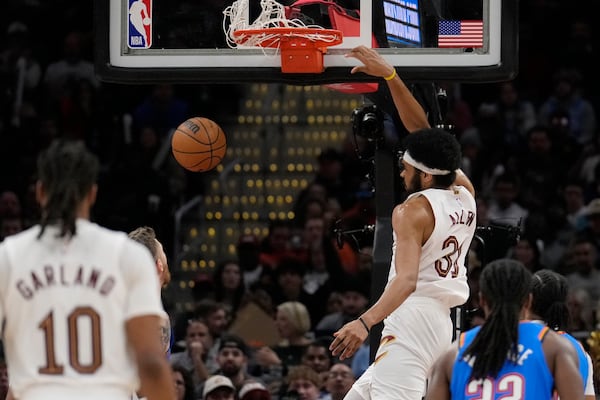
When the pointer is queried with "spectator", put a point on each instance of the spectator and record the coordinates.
(311, 201)
(184, 386)
(474, 158)
(324, 271)
(504, 208)
(574, 203)
(10, 204)
(195, 356)
(217, 320)
(305, 382)
(254, 391)
(568, 104)
(218, 387)
(10, 226)
(539, 171)
(527, 251)
(339, 381)
(317, 356)
(355, 299)
(584, 272)
(276, 244)
(289, 277)
(229, 287)
(293, 324)
(20, 74)
(592, 219)
(329, 174)
(581, 312)
(248, 254)
(233, 360)
(509, 116)
(71, 67)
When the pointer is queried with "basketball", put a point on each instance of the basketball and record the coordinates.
(199, 144)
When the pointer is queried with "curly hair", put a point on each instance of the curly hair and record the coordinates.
(438, 149)
(188, 382)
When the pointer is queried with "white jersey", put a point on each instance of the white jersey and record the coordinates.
(65, 302)
(442, 271)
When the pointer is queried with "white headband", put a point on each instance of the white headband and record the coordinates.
(419, 165)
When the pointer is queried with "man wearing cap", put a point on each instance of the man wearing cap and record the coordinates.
(432, 231)
(254, 391)
(218, 387)
(233, 360)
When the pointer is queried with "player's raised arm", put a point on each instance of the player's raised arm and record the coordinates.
(409, 109)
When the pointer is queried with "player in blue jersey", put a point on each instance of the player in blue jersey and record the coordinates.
(507, 356)
(549, 290)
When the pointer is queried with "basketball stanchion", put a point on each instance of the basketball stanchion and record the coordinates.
(301, 49)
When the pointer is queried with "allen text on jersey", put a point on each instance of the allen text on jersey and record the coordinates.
(463, 217)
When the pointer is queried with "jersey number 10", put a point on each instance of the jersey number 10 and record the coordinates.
(52, 366)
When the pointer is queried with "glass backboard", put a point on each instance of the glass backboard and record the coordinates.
(185, 41)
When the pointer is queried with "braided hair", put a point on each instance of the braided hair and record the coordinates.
(67, 172)
(505, 284)
(550, 291)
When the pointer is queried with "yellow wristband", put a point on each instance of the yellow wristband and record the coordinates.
(392, 76)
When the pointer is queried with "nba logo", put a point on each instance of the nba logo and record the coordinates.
(139, 31)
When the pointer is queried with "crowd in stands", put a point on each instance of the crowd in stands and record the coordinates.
(530, 146)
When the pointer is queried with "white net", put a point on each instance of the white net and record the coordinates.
(272, 16)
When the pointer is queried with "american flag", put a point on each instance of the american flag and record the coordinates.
(460, 33)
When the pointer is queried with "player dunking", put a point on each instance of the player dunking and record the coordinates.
(79, 302)
(432, 230)
(507, 357)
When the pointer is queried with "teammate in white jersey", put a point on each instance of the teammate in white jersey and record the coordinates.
(79, 302)
(432, 230)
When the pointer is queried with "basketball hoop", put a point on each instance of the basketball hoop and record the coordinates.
(301, 48)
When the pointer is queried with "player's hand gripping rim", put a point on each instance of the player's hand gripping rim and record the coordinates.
(374, 64)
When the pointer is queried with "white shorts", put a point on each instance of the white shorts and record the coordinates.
(413, 337)
(66, 392)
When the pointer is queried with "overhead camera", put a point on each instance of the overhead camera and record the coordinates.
(367, 122)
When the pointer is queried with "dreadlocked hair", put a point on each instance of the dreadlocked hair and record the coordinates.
(67, 172)
(505, 284)
(549, 290)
